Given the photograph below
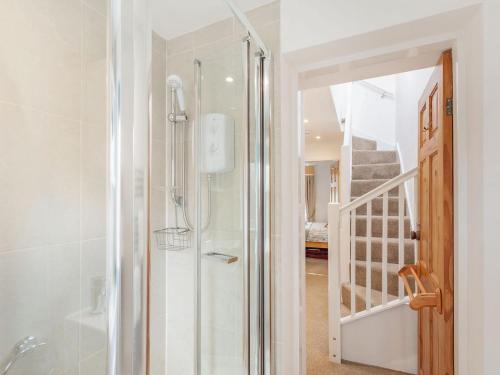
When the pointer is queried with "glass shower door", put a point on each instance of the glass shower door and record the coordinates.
(223, 210)
(233, 188)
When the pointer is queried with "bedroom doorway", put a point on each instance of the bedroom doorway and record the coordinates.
(323, 139)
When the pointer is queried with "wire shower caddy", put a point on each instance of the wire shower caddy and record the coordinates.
(173, 238)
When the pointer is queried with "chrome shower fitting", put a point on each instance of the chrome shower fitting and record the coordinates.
(174, 83)
(22, 348)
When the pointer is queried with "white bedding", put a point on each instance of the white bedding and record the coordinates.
(317, 232)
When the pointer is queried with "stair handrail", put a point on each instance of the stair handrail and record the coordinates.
(377, 89)
(379, 190)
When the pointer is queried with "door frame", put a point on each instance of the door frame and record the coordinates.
(291, 330)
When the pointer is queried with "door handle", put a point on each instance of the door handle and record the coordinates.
(423, 298)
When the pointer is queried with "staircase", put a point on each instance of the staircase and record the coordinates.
(370, 169)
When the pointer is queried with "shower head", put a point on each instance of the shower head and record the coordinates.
(174, 82)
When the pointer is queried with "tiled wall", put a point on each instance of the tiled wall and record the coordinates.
(222, 288)
(158, 207)
(52, 180)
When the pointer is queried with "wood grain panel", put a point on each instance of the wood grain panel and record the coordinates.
(435, 265)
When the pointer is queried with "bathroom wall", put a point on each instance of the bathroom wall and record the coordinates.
(52, 180)
(218, 46)
(158, 206)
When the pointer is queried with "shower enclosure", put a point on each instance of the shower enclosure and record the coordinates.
(205, 267)
(135, 194)
(216, 238)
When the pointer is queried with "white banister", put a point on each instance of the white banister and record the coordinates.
(401, 236)
(334, 283)
(353, 262)
(389, 185)
(384, 246)
(368, 255)
(349, 233)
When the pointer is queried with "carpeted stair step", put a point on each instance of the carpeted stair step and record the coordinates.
(363, 144)
(392, 250)
(375, 171)
(392, 276)
(360, 295)
(373, 157)
(361, 187)
(392, 226)
(377, 206)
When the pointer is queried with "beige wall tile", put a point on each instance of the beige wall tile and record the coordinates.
(159, 44)
(94, 68)
(214, 32)
(159, 110)
(100, 6)
(93, 181)
(52, 166)
(93, 265)
(180, 44)
(41, 65)
(61, 157)
(158, 164)
(23, 207)
(25, 303)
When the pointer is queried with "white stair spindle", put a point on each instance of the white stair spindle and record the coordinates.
(347, 236)
(384, 248)
(401, 242)
(353, 262)
(368, 255)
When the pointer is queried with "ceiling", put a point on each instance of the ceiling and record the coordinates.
(172, 18)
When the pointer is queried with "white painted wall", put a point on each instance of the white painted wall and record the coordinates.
(340, 96)
(313, 22)
(490, 158)
(372, 116)
(469, 234)
(408, 89)
(383, 340)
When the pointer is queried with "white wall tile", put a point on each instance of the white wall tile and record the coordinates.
(23, 205)
(25, 299)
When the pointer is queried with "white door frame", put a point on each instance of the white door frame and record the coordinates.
(291, 330)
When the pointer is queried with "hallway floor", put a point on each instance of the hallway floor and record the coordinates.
(317, 327)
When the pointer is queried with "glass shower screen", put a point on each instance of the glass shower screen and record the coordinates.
(222, 164)
(231, 226)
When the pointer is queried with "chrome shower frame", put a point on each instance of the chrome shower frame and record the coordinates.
(128, 182)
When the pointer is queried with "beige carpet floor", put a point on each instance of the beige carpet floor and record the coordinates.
(317, 326)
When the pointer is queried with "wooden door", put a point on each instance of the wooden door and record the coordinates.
(434, 269)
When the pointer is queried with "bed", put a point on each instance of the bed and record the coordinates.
(317, 240)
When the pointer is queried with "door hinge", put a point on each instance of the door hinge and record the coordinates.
(449, 106)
